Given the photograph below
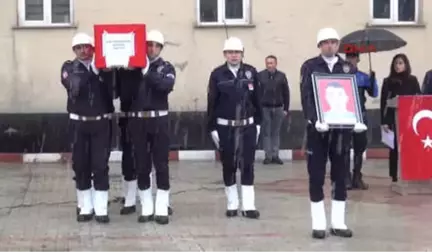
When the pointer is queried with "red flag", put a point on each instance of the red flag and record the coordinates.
(415, 137)
(139, 57)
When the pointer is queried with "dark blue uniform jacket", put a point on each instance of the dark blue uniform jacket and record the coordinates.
(233, 98)
(88, 94)
(140, 92)
(317, 65)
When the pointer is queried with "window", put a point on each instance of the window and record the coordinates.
(394, 11)
(45, 12)
(220, 12)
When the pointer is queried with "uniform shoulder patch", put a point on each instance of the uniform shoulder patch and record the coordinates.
(160, 68)
(65, 74)
(248, 74)
(346, 68)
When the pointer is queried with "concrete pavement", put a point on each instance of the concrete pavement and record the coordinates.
(37, 212)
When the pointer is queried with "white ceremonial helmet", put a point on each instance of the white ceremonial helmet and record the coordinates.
(82, 39)
(326, 34)
(155, 36)
(233, 44)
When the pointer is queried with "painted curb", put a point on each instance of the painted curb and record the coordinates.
(197, 155)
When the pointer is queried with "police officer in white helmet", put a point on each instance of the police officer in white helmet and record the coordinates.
(324, 143)
(90, 107)
(146, 105)
(234, 114)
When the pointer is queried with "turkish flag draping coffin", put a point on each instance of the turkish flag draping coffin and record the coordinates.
(415, 137)
(120, 45)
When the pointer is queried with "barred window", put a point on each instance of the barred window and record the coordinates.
(45, 12)
(223, 12)
(394, 11)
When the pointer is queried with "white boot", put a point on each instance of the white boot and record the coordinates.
(248, 202)
(319, 222)
(248, 198)
(147, 205)
(231, 193)
(339, 227)
(125, 189)
(79, 198)
(86, 207)
(162, 199)
(131, 193)
(338, 215)
(101, 203)
(161, 208)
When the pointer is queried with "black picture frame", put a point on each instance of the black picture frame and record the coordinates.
(319, 77)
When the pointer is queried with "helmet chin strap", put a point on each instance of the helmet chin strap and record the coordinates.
(154, 59)
(233, 64)
(328, 57)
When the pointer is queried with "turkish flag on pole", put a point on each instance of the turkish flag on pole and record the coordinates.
(415, 137)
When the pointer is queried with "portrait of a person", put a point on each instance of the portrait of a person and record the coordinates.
(337, 100)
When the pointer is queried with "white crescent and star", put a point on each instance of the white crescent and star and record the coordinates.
(427, 142)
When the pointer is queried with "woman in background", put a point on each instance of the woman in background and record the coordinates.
(399, 82)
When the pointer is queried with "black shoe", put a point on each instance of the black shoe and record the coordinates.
(161, 220)
(251, 214)
(102, 219)
(170, 211)
(394, 179)
(231, 213)
(319, 234)
(127, 210)
(277, 160)
(358, 183)
(267, 161)
(345, 233)
(348, 181)
(84, 217)
(144, 219)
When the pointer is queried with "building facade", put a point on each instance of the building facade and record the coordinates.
(36, 36)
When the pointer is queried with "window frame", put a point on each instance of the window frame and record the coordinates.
(47, 18)
(221, 15)
(394, 14)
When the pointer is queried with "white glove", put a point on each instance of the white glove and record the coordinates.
(215, 136)
(145, 70)
(93, 67)
(258, 127)
(321, 127)
(360, 127)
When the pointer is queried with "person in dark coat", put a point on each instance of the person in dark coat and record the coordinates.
(367, 86)
(323, 143)
(399, 82)
(234, 115)
(427, 83)
(275, 101)
(90, 107)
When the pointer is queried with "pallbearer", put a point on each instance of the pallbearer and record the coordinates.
(90, 107)
(148, 126)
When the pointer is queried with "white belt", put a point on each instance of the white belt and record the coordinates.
(241, 122)
(76, 117)
(147, 114)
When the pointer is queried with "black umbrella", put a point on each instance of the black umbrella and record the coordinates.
(370, 40)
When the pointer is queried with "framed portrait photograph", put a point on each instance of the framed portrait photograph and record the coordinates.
(337, 100)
